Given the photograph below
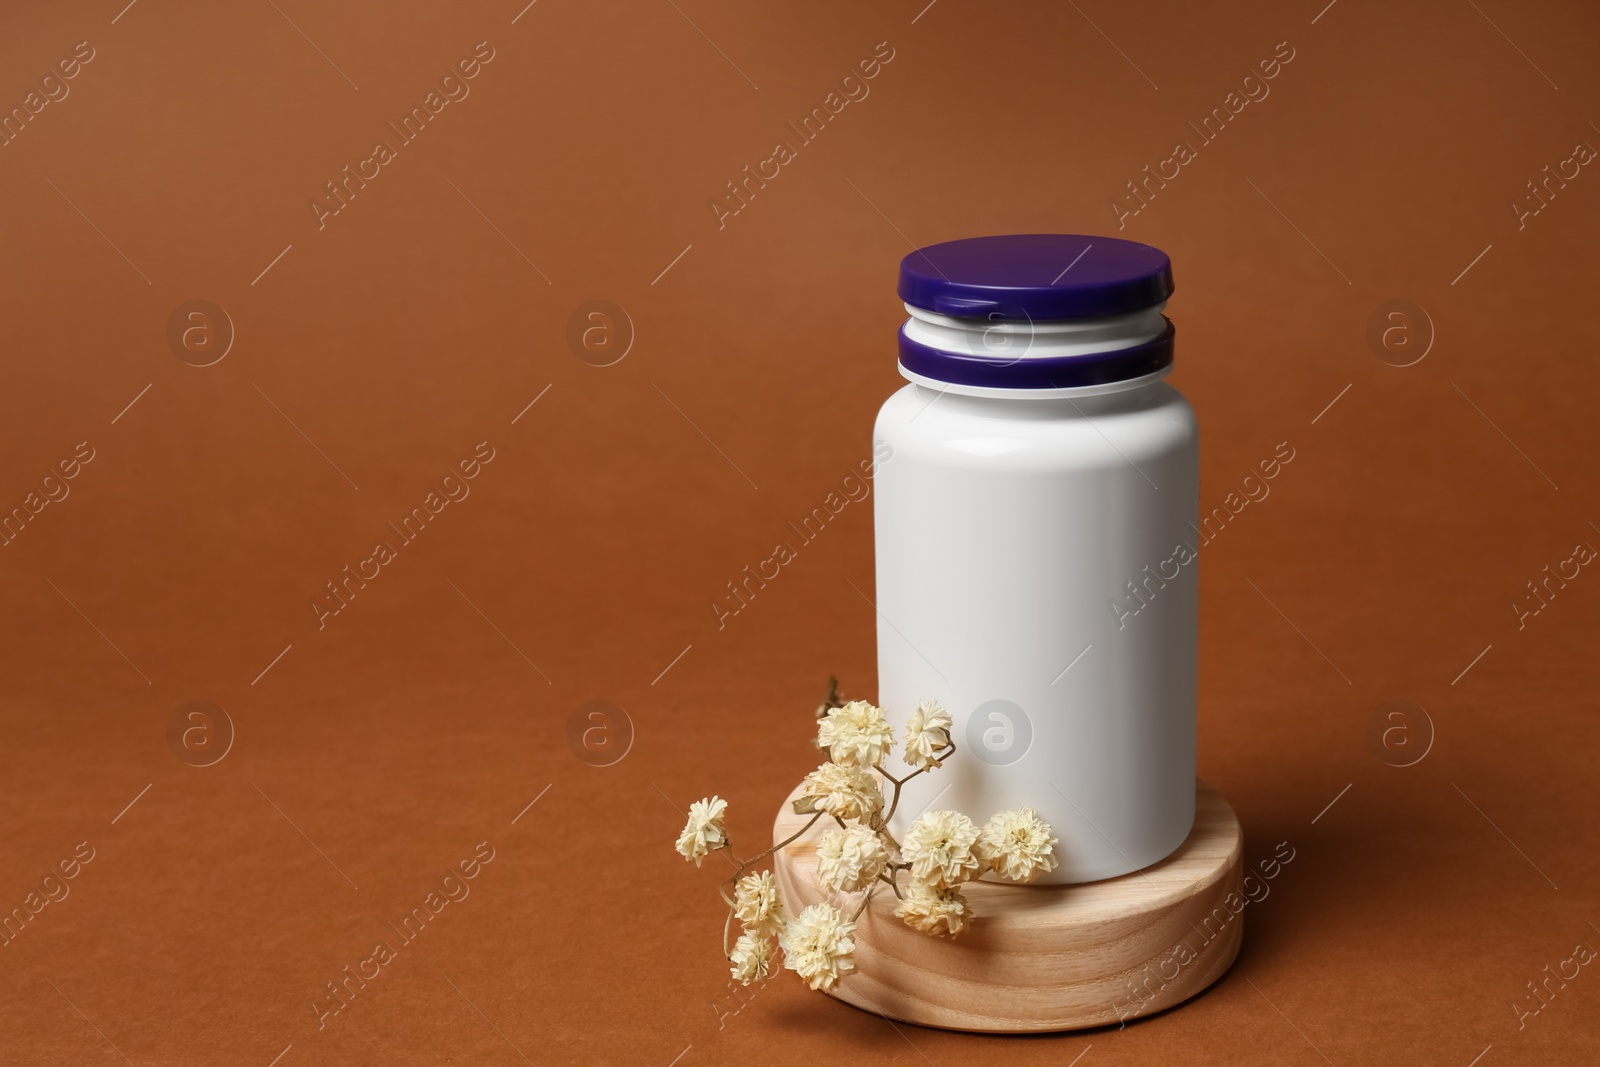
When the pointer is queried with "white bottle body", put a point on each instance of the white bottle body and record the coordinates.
(1036, 575)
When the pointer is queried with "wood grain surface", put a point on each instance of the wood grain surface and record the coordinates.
(1047, 957)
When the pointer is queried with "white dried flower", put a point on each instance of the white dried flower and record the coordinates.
(818, 946)
(934, 911)
(1018, 845)
(848, 792)
(849, 860)
(751, 958)
(703, 833)
(939, 848)
(756, 905)
(855, 735)
(927, 733)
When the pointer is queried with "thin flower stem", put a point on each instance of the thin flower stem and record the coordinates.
(890, 882)
(894, 803)
(727, 924)
(864, 902)
(791, 839)
(746, 864)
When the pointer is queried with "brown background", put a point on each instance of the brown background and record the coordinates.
(424, 718)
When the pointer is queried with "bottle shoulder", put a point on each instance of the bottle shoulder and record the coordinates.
(1156, 412)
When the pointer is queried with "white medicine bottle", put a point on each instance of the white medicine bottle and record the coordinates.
(1035, 542)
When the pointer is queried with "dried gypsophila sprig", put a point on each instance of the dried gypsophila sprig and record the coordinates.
(942, 849)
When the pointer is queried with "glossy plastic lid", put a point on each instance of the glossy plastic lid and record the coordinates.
(1035, 276)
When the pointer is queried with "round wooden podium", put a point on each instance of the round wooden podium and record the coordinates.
(1042, 958)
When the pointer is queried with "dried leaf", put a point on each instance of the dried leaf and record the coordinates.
(805, 805)
(833, 700)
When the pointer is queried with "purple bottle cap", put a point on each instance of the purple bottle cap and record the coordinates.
(1035, 276)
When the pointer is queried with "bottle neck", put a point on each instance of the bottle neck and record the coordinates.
(1032, 346)
(1041, 404)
